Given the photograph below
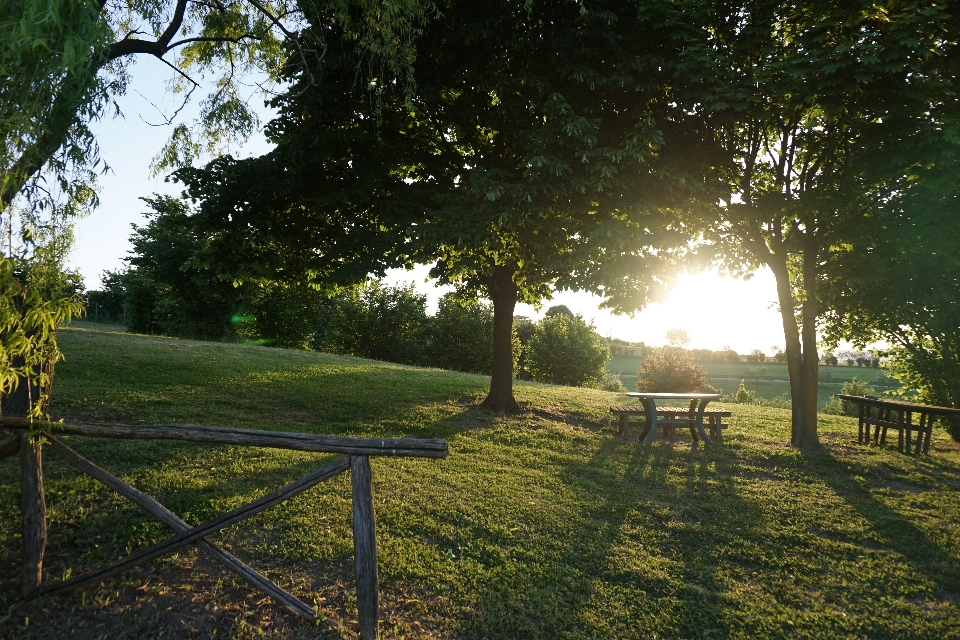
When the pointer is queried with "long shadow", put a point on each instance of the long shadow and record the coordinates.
(643, 512)
(899, 533)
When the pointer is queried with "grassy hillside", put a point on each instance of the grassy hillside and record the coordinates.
(541, 525)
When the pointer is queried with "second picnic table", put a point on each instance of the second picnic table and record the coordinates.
(903, 424)
(693, 417)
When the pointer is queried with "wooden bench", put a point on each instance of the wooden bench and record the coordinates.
(712, 419)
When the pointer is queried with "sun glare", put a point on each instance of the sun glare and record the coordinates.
(718, 311)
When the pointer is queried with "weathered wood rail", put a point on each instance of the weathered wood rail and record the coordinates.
(357, 452)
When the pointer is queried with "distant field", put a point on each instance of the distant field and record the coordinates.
(772, 377)
(765, 389)
(773, 371)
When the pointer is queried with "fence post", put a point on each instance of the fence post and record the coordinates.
(365, 547)
(34, 512)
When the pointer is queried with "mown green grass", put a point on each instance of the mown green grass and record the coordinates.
(540, 525)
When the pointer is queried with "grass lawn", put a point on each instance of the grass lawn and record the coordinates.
(540, 525)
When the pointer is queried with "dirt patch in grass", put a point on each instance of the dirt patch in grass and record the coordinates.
(896, 485)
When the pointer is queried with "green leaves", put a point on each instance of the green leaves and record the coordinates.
(28, 326)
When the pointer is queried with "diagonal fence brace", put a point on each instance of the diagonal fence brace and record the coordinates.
(211, 526)
(173, 521)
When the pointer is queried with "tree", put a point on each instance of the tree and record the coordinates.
(64, 61)
(164, 293)
(677, 337)
(900, 283)
(566, 350)
(390, 325)
(816, 112)
(558, 309)
(512, 174)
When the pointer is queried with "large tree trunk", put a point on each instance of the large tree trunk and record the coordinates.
(805, 434)
(503, 293)
(803, 395)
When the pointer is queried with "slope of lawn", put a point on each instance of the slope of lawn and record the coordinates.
(540, 525)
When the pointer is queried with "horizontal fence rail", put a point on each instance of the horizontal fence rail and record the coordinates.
(408, 447)
(357, 453)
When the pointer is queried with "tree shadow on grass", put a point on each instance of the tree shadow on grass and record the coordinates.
(896, 531)
(645, 557)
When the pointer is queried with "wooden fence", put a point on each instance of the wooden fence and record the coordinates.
(357, 452)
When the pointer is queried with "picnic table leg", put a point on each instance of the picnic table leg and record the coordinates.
(650, 407)
(925, 419)
(625, 424)
(699, 420)
(900, 438)
(860, 426)
(921, 433)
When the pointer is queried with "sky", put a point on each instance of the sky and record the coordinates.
(717, 311)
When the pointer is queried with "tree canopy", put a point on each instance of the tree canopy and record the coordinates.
(64, 61)
(899, 283)
(816, 112)
(529, 156)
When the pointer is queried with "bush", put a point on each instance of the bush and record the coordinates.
(668, 369)
(611, 382)
(855, 387)
(375, 321)
(566, 350)
(460, 336)
(743, 396)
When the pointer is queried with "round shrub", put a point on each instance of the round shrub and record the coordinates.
(461, 336)
(669, 370)
(566, 350)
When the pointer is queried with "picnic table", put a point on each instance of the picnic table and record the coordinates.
(693, 417)
(903, 423)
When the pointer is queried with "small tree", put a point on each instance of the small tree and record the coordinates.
(566, 350)
(668, 370)
(743, 396)
(558, 309)
(678, 337)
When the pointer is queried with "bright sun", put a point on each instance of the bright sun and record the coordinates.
(717, 311)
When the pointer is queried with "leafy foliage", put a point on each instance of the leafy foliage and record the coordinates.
(164, 293)
(461, 336)
(375, 321)
(29, 318)
(566, 350)
(669, 370)
(855, 387)
(900, 283)
(819, 114)
(107, 304)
